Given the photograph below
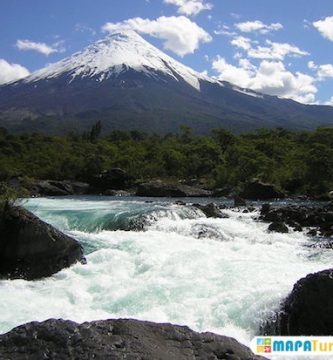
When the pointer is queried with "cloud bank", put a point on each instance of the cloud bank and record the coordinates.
(179, 34)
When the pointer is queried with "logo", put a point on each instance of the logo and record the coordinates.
(292, 345)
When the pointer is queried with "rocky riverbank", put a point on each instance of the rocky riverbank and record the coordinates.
(117, 339)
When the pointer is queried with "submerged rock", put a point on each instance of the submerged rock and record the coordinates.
(308, 310)
(32, 249)
(257, 190)
(158, 188)
(117, 340)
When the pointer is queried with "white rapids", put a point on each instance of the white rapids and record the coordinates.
(221, 275)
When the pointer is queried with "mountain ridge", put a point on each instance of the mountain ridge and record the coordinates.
(127, 83)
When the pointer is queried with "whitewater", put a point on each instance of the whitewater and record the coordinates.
(221, 275)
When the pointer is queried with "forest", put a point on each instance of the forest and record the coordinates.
(296, 162)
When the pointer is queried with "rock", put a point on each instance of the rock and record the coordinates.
(222, 192)
(257, 190)
(238, 201)
(31, 249)
(211, 210)
(60, 188)
(320, 219)
(115, 179)
(278, 227)
(158, 188)
(308, 310)
(117, 193)
(179, 202)
(265, 209)
(117, 340)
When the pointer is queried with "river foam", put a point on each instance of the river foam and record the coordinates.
(221, 275)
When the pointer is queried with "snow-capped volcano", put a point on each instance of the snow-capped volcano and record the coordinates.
(116, 54)
(127, 83)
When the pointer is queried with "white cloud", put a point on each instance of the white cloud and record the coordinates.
(323, 71)
(190, 7)
(329, 102)
(274, 50)
(11, 72)
(27, 45)
(325, 27)
(180, 34)
(241, 42)
(270, 77)
(258, 26)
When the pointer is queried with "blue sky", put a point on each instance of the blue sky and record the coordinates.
(282, 48)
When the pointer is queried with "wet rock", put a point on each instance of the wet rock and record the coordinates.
(308, 310)
(32, 249)
(140, 223)
(211, 210)
(279, 227)
(257, 190)
(117, 340)
(158, 188)
(179, 202)
(265, 209)
(238, 201)
(319, 218)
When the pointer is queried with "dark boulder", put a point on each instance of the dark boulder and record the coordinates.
(257, 190)
(279, 227)
(211, 210)
(238, 201)
(117, 340)
(308, 310)
(115, 179)
(32, 249)
(158, 188)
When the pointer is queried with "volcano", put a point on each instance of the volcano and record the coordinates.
(127, 83)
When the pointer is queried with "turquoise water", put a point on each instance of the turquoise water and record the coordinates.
(220, 275)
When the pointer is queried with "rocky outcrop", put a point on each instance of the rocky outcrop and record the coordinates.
(211, 210)
(320, 218)
(117, 340)
(308, 310)
(60, 188)
(113, 179)
(158, 188)
(257, 190)
(32, 249)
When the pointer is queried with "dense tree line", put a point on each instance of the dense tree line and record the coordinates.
(299, 162)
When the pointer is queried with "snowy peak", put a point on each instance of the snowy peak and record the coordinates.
(115, 54)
